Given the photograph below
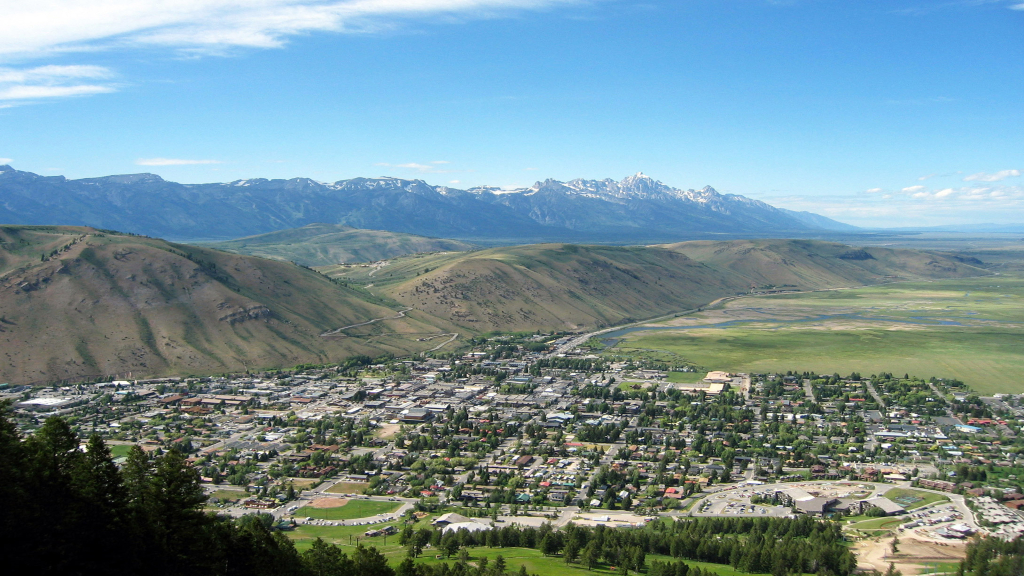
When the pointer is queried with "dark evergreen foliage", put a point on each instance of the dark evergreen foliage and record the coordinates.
(71, 512)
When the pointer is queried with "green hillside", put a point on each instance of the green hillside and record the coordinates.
(79, 303)
(574, 287)
(325, 244)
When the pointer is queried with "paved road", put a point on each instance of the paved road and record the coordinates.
(809, 390)
(874, 393)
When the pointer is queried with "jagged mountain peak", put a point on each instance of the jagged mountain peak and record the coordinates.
(637, 208)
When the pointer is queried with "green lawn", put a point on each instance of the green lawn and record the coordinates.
(925, 498)
(349, 488)
(353, 509)
(685, 377)
(118, 450)
(900, 328)
(884, 523)
(231, 495)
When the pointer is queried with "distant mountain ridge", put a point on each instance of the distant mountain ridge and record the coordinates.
(635, 209)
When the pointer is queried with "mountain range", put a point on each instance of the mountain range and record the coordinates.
(637, 209)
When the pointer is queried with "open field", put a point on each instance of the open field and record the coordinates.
(912, 499)
(971, 329)
(119, 450)
(685, 377)
(348, 488)
(352, 509)
(229, 495)
(304, 483)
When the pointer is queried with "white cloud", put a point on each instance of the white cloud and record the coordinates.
(455, 182)
(35, 92)
(923, 178)
(24, 84)
(920, 195)
(46, 26)
(172, 162)
(913, 189)
(440, 162)
(984, 177)
(944, 193)
(873, 190)
(1017, 7)
(431, 168)
(6, 160)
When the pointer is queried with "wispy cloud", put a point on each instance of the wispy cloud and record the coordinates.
(913, 189)
(873, 190)
(173, 162)
(1017, 7)
(6, 160)
(996, 177)
(48, 26)
(41, 82)
(431, 168)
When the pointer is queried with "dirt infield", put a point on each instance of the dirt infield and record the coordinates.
(328, 502)
(912, 557)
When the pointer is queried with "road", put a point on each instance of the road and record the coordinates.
(401, 314)
(874, 393)
(809, 390)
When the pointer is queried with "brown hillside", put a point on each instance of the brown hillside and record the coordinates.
(576, 287)
(103, 304)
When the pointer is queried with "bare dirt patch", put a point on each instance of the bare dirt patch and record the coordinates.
(388, 431)
(328, 502)
(913, 555)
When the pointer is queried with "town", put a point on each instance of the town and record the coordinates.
(535, 429)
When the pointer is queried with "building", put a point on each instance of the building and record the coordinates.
(888, 506)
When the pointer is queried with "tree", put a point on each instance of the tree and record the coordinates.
(637, 558)
(895, 544)
(323, 559)
(571, 551)
(406, 568)
(591, 555)
(449, 544)
(370, 562)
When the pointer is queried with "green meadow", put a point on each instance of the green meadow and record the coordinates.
(969, 329)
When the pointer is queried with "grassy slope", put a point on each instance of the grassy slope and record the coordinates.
(110, 304)
(575, 287)
(986, 350)
(325, 244)
(550, 286)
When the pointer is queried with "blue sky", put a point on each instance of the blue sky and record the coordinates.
(889, 112)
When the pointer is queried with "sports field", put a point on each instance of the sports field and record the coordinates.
(351, 509)
(969, 329)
